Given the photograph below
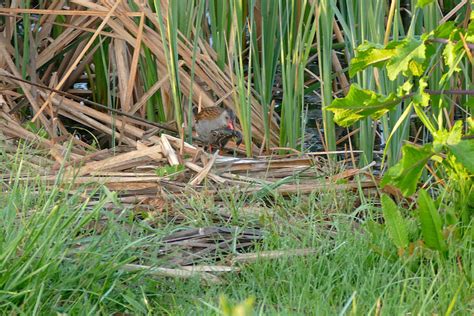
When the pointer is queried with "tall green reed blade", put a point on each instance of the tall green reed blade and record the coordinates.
(235, 49)
(381, 31)
(104, 83)
(220, 25)
(296, 24)
(191, 27)
(154, 108)
(190, 14)
(266, 44)
(169, 38)
(148, 71)
(394, 29)
(324, 44)
(186, 17)
(102, 79)
(366, 134)
(365, 21)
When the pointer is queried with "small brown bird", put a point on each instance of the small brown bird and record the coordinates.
(216, 125)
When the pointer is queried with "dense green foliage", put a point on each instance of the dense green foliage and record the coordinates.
(448, 157)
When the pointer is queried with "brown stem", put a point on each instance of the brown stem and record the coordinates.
(446, 41)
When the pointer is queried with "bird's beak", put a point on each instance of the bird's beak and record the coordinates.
(230, 125)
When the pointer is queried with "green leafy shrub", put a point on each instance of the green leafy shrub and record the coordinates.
(448, 159)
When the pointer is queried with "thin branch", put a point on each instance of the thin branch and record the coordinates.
(446, 41)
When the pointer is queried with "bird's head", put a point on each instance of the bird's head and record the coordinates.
(229, 117)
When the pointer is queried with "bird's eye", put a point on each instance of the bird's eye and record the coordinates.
(226, 117)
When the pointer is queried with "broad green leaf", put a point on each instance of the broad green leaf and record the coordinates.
(408, 59)
(470, 124)
(430, 221)
(455, 134)
(405, 88)
(464, 153)
(422, 3)
(444, 137)
(406, 173)
(369, 54)
(395, 223)
(445, 30)
(451, 55)
(361, 103)
(470, 30)
(421, 97)
(406, 56)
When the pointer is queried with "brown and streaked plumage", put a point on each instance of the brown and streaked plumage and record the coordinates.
(220, 137)
(216, 125)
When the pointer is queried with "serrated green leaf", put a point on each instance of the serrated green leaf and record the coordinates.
(470, 30)
(369, 54)
(421, 97)
(395, 223)
(430, 220)
(455, 135)
(406, 173)
(423, 3)
(451, 55)
(464, 153)
(408, 59)
(470, 124)
(444, 137)
(405, 88)
(445, 30)
(361, 103)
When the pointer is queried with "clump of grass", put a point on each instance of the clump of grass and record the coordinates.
(347, 275)
(344, 276)
(61, 254)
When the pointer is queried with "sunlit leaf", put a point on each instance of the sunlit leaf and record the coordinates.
(421, 97)
(394, 222)
(361, 103)
(470, 29)
(405, 88)
(406, 173)
(369, 54)
(451, 54)
(408, 59)
(430, 220)
(444, 137)
(464, 153)
(445, 30)
(470, 124)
